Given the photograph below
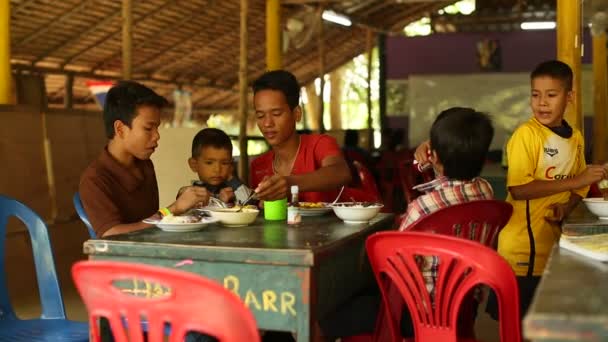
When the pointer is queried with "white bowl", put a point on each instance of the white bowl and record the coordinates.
(356, 214)
(597, 206)
(230, 216)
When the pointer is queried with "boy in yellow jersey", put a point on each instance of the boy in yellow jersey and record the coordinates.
(547, 177)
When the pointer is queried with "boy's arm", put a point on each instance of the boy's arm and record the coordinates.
(543, 188)
(332, 174)
(561, 210)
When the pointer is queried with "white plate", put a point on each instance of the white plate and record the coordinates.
(182, 227)
(314, 211)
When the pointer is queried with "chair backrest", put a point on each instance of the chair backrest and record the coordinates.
(479, 221)
(368, 184)
(83, 215)
(190, 303)
(48, 285)
(462, 265)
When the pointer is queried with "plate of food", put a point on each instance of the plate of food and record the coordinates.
(313, 208)
(181, 223)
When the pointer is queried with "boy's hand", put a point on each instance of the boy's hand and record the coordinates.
(558, 212)
(272, 188)
(592, 174)
(192, 196)
(422, 152)
(226, 194)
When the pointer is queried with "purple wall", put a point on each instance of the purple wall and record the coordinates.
(456, 53)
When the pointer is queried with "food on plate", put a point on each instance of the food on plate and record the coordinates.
(310, 205)
(358, 204)
(181, 219)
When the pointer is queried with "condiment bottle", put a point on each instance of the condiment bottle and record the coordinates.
(293, 211)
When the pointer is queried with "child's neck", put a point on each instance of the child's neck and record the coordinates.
(120, 154)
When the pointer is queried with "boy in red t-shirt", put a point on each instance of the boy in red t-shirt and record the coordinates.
(313, 162)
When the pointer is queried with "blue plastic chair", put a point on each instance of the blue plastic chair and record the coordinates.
(52, 325)
(83, 215)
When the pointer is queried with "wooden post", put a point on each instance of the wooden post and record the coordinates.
(68, 99)
(569, 51)
(370, 50)
(127, 37)
(382, 80)
(6, 93)
(335, 101)
(321, 47)
(600, 88)
(273, 34)
(243, 158)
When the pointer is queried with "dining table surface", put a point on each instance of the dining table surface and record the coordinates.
(289, 276)
(571, 301)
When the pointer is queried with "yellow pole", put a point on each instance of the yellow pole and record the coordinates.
(569, 51)
(600, 88)
(273, 34)
(5, 52)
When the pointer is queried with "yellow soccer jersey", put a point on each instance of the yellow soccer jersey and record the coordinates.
(534, 152)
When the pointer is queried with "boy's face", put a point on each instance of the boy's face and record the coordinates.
(275, 119)
(141, 139)
(548, 100)
(213, 165)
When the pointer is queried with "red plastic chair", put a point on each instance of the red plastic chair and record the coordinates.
(368, 184)
(479, 221)
(193, 303)
(463, 265)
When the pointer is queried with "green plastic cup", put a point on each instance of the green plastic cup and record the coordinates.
(275, 210)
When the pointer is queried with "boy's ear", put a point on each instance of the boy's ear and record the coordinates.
(298, 113)
(570, 96)
(119, 128)
(192, 164)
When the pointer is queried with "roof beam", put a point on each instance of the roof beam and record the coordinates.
(304, 2)
(46, 27)
(111, 76)
(171, 27)
(116, 31)
(76, 38)
(398, 26)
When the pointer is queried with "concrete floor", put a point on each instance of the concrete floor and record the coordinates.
(67, 239)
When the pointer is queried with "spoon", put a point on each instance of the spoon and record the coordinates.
(253, 193)
(337, 198)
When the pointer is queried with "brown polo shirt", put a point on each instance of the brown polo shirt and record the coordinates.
(111, 195)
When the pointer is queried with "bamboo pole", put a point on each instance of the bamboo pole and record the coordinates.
(382, 80)
(127, 39)
(600, 88)
(321, 43)
(569, 51)
(243, 158)
(370, 49)
(68, 100)
(273, 34)
(6, 93)
(335, 100)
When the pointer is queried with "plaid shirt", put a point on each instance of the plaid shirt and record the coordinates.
(440, 193)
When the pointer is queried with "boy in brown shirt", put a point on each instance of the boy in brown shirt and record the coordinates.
(118, 190)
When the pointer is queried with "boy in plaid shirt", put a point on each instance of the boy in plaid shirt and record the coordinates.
(460, 139)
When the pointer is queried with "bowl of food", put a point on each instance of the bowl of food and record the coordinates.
(597, 206)
(235, 216)
(356, 212)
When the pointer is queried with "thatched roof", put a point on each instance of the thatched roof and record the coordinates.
(191, 43)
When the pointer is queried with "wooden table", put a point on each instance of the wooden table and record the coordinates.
(287, 276)
(571, 302)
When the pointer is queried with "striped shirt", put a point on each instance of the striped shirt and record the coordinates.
(440, 193)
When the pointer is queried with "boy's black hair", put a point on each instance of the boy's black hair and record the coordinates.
(210, 137)
(554, 69)
(351, 138)
(280, 80)
(461, 137)
(122, 101)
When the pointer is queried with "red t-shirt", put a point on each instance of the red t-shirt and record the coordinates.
(313, 149)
